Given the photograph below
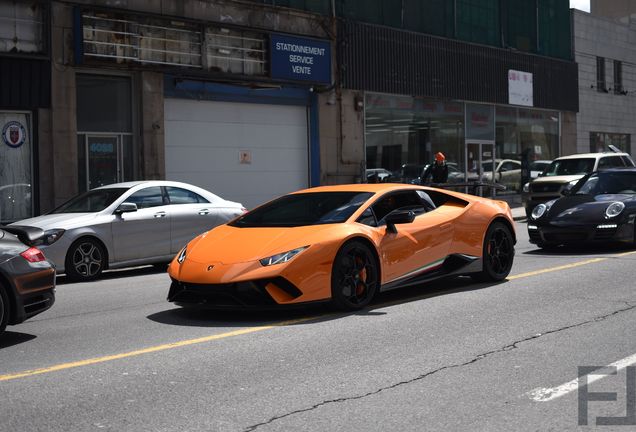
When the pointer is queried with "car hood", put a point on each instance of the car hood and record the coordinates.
(230, 245)
(557, 179)
(59, 220)
(584, 209)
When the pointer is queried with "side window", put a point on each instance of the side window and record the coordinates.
(512, 166)
(148, 197)
(408, 200)
(184, 196)
(368, 218)
(610, 162)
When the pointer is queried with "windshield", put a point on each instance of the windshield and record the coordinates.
(607, 183)
(569, 167)
(92, 201)
(304, 209)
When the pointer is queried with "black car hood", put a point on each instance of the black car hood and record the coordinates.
(584, 209)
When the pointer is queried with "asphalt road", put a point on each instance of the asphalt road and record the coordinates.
(451, 355)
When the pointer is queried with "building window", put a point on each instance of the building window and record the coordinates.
(600, 75)
(234, 51)
(600, 142)
(21, 27)
(618, 77)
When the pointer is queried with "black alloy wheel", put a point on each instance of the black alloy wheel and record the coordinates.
(85, 260)
(498, 253)
(4, 309)
(354, 277)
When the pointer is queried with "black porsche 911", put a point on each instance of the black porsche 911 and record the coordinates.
(601, 207)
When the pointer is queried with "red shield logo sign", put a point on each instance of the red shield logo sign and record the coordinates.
(14, 135)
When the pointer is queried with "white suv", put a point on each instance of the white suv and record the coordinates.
(565, 172)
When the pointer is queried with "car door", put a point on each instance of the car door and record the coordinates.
(415, 247)
(190, 215)
(144, 233)
(510, 175)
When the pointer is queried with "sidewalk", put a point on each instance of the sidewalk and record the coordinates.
(518, 213)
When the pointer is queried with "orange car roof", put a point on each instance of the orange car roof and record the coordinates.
(361, 187)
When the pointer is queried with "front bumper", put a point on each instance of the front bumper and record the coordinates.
(261, 294)
(580, 234)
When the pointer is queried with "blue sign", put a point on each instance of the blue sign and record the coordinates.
(300, 59)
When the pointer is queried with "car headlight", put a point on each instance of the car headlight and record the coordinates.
(541, 209)
(614, 209)
(526, 188)
(282, 257)
(182, 255)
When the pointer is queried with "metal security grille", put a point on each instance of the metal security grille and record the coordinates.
(386, 60)
(150, 41)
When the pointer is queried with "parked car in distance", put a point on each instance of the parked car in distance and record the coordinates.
(537, 167)
(600, 208)
(27, 278)
(564, 172)
(378, 175)
(507, 173)
(128, 224)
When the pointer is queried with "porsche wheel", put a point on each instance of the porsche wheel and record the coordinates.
(354, 277)
(498, 253)
(85, 260)
(4, 310)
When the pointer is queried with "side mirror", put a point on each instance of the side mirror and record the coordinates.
(398, 217)
(126, 207)
(566, 191)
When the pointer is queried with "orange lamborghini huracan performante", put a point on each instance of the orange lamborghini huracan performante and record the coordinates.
(343, 244)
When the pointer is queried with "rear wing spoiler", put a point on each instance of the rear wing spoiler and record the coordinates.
(26, 234)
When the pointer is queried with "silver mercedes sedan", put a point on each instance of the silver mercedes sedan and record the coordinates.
(127, 224)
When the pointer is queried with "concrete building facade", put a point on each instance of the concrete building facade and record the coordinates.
(606, 55)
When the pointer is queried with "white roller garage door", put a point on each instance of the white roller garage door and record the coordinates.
(205, 140)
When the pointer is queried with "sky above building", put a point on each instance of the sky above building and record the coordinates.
(580, 4)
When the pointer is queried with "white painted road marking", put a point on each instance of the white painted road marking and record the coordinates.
(542, 394)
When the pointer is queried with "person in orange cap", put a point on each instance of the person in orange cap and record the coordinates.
(438, 170)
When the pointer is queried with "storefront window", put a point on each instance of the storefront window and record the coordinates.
(403, 134)
(524, 136)
(600, 142)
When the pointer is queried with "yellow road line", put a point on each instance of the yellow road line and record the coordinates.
(164, 347)
(568, 266)
(148, 350)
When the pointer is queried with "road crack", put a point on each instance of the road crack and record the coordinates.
(479, 357)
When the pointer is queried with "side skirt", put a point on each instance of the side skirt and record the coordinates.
(452, 265)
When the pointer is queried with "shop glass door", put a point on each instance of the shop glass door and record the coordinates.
(16, 167)
(103, 161)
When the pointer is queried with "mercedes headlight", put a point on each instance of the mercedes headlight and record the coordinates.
(526, 188)
(182, 255)
(282, 257)
(614, 209)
